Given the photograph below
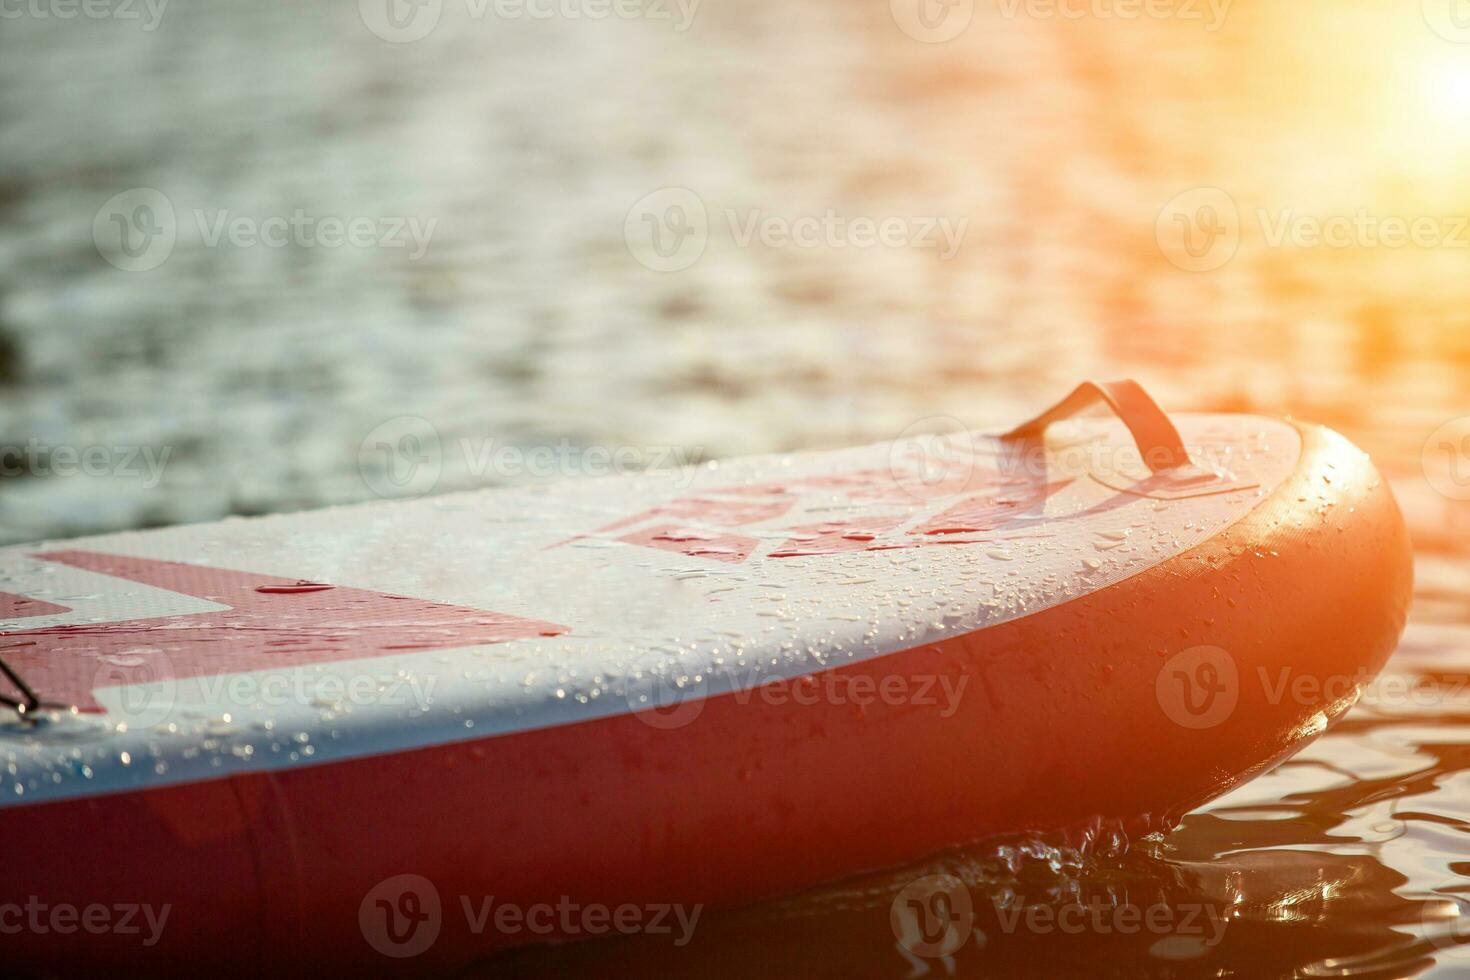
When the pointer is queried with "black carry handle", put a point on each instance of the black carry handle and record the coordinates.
(1157, 439)
(28, 701)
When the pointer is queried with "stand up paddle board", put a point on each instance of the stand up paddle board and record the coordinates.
(355, 737)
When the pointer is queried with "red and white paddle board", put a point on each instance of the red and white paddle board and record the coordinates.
(325, 738)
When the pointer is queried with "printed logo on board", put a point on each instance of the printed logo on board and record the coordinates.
(269, 622)
(957, 497)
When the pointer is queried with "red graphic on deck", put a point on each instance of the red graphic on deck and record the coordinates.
(709, 525)
(270, 622)
(19, 607)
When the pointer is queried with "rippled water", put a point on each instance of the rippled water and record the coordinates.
(528, 321)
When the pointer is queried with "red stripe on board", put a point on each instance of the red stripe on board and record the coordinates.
(270, 622)
(18, 607)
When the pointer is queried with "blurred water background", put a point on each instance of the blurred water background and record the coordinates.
(1117, 186)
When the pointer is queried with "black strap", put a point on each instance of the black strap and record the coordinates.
(1154, 434)
(28, 702)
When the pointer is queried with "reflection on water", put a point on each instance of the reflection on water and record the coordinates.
(1140, 197)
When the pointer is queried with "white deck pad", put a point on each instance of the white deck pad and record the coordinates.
(247, 644)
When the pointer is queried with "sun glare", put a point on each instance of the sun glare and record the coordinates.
(1444, 89)
(1421, 122)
